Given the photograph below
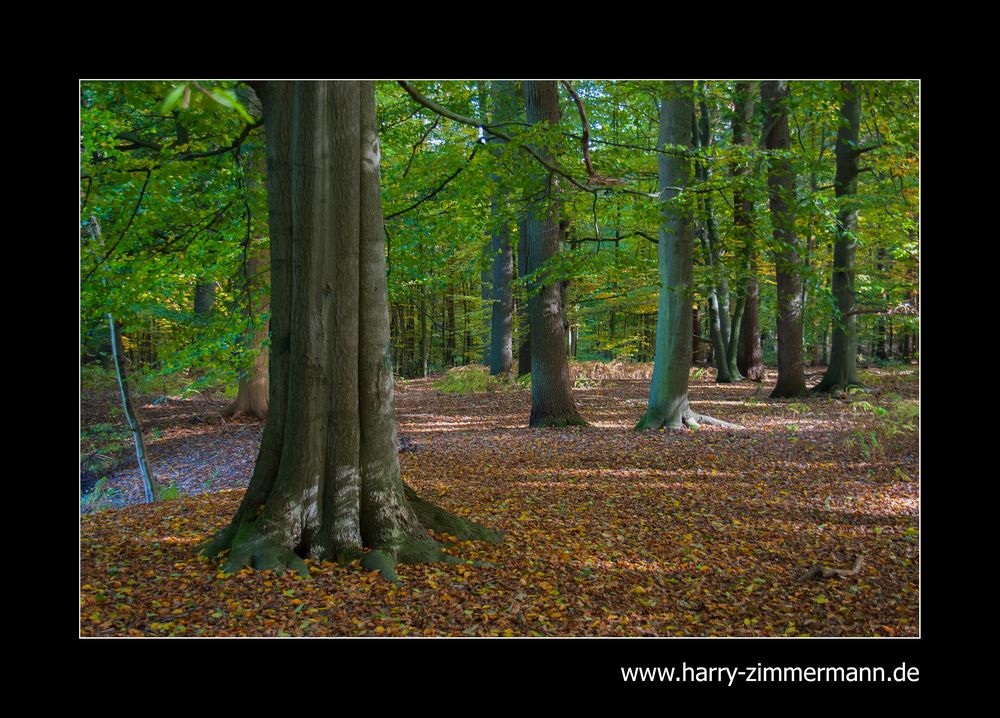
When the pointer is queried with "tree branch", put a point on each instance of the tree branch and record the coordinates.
(135, 210)
(585, 140)
(437, 189)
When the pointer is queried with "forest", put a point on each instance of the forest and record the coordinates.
(499, 358)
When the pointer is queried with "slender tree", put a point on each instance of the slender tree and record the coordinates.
(327, 484)
(750, 357)
(504, 99)
(711, 244)
(149, 484)
(781, 192)
(668, 392)
(842, 371)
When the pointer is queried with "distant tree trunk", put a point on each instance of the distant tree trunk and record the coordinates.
(204, 298)
(486, 306)
(425, 336)
(449, 329)
(750, 355)
(252, 393)
(668, 393)
(504, 97)
(781, 192)
(735, 326)
(524, 349)
(552, 401)
(718, 291)
(149, 485)
(842, 371)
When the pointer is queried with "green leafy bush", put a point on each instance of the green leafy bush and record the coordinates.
(101, 498)
(884, 430)
(473, 379)
(170, 492)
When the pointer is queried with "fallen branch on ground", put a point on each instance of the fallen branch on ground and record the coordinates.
(818, 571)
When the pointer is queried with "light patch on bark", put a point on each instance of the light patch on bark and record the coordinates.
(346, 528)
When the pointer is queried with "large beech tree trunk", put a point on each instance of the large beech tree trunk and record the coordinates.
(551, 391)
(668, 392)
(327, 482)
(842, 371)
(781, 193)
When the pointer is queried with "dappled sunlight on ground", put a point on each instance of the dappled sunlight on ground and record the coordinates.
(608, 531)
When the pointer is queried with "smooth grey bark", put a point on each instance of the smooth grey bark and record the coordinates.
(552, 401)
(718, 289)
(486, 305)
(523, 252)
(842, 371)
(504, 99)
(750, 355)
(781, 193)
(149, 485)
(327, 484)
(668, 392)
(425, 336)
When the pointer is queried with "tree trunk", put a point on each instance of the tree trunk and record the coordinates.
(718, 295)
(524, 349)
(668, 400)
(750, 355)
(781, 193)
(327, 483)
(449, 330)
(552, 401)
(252, 393)
(204, 298)
(149, 485)
(425, 336)
(504, 97)
(842, 371)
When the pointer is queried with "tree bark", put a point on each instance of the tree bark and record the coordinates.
(750, 355)
(552, 401)
(149, 485)
(504, 98)
(718, 294)
(668, 393)
(327, 484)
(252, 392)
(842, 371)
(781, 193)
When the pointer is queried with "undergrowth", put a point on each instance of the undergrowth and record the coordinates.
(883, 429)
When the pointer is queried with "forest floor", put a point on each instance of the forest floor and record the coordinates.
(607, 532)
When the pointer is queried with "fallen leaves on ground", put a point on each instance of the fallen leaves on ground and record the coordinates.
(608, 532)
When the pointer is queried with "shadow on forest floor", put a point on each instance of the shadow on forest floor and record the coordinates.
(607, 531)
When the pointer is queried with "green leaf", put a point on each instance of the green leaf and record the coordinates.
(227, 98)
(172, 99)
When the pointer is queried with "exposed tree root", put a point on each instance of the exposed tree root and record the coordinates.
(437, 519)
(711, 421)
(547, 422)
(682, 419)
(819, 571)
(249, 545)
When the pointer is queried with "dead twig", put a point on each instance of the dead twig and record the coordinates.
(819, 571)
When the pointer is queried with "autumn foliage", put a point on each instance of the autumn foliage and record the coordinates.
(607, 531)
